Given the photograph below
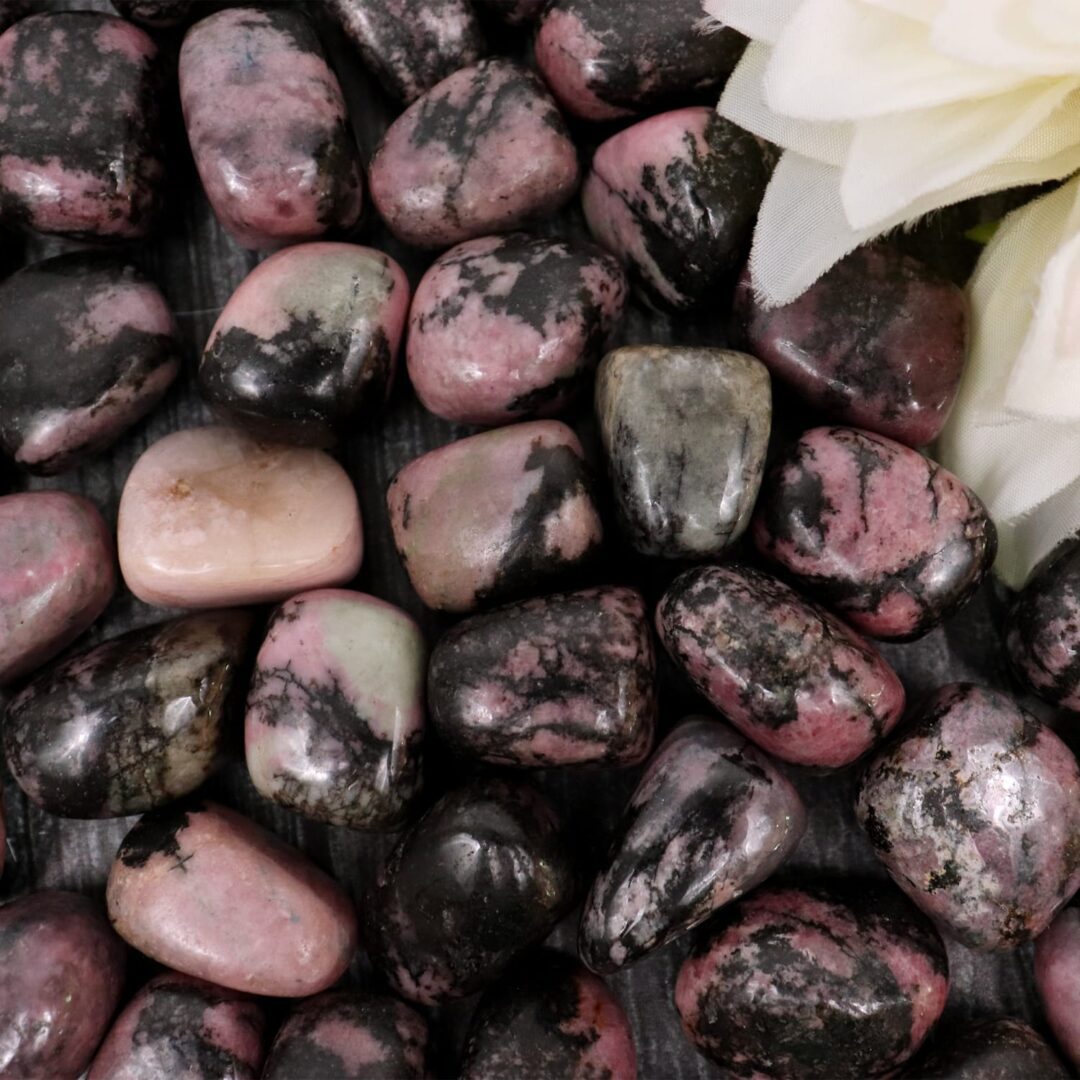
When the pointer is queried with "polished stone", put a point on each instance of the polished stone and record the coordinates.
(991, 1050)
(1057, 979)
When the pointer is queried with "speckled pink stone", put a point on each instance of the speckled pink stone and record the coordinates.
(1057, 978)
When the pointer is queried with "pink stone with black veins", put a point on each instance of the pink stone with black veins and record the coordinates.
(268, 127)
(203, 890)
(484, 151)
(1002, 1049)
(888, 538)
(975, 812)
(504, 328)
(495, 516)
(1057, 978)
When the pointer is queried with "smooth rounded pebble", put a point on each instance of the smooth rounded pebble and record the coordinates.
(1057, 979)
(991, 1050)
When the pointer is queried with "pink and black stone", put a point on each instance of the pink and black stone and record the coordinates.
(1057, 979)
(480, 878)
(890, 539)
(563, 680)
(80, 138)
(809, 982)
(710, 819)
(549, 1017)
(975, 812)
(156, 14)
(991, 1050)
(87, 348)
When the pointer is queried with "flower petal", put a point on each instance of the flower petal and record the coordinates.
(1004, 34)
(1055, 20)
(757, 20)
(923, 10)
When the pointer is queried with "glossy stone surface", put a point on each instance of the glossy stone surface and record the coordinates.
(335, 714)
(889, 539)
(534, 525)
(804, 982)
(879, 343)
(212, 517)
(63, 973)
(562, 680)
(157, 14)
(87, 347)
(131, 724)
(992, 1050)
(481, 877)
(268, 128)
(975, 812)
(57, 575)
(484, 151)
(685, 431)
(504, 328)
(308, 342)
(1057, 978)
(549, 1017)
(80, 134)
(203, 890)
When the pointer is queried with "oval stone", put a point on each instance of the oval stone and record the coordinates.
(890, 539)
(544, 310)
(208, 892)
(212, 517)
(157, 14)
(992, 1050)
(975, 812)
(1057, 979)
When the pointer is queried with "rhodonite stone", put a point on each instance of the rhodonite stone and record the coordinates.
(975, 812)
(675, 198)
(534, 524)
(1057, 978)
(80, 133)
(63, 973)
(212, 517)
(549, 1017)
(785, 672)
(203, 890)
(543, 310)
(87, 347)
(991, 1050)
(804, 982)
(563, 680)
(268, 128)
(685, 431)
(157, 14)
(130, 724)
(57, 575)
(335, 714)
(484, 151)
(480, 878)
(710, 818)
(307, 343)
(879, 343)
(890, 539)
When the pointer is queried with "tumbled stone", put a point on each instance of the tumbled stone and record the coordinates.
(685, 431)
(157, 14)
(484, 151)
(495, 516)
(549, 1017)
(975, 812)
(542, 309)
(335, 714)
(80, 133)
(562, 680)
(57, 575)
(481, 878)
(890, 539)
(804, 982)
(87, 347)
(307, 343)
(992, 1050)
(203, 890)
(268, 127)
(212, 517)
(1057, 978)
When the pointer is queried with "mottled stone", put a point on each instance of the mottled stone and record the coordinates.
(203, 890)
(482, 877)
(212, 517)
(975, 812)
(157, 14)
(795, 983)
(685, 431)
(563, 680)
(87, 347)
(80, 132)
(495, 516)
(268, 127)
(335, 714)
(504, 328)
(1057, 978)
(484, 151)
(890, 539)
(307, 343)
(991, 1050)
